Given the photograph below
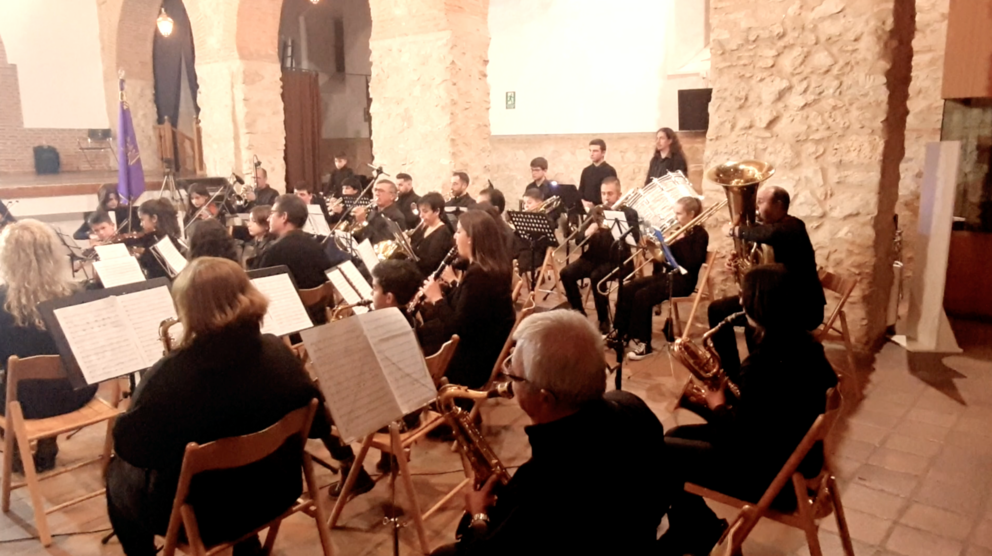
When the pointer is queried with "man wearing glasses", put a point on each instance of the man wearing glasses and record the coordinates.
(385, 213)
(556, 503)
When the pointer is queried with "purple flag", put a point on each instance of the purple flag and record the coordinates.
(130, 176)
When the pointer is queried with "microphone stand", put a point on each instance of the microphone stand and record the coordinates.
(347, 211)
(617, 344)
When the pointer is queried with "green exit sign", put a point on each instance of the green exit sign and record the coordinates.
(511, 100)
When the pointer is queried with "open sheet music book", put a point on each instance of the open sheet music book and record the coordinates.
(367, 253)
(112, 251)
(105, 334)
(170, 257)
(286, 313)
(616, 222)
(371, 370)
(118, 272)
(352, 286)
(316, 224)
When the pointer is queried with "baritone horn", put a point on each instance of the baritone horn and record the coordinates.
(740, 182)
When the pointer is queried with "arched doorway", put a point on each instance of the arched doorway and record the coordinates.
(174, 69)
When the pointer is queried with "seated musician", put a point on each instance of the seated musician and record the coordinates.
(637, 299)
(598, 258)
(408, 200)
(209, 238)
(158, 220)
(101, 227)
(310, 196)
(529, 256)
(432, 239)
(108, 201)
(225, 379)
(378, 226)
(199, 197)
(296, 249)
(787, 236)
(351, 188)
(394, 283)
(559, 382)
(261, 236)
(783, 385)
(479, 308)
(30, 261)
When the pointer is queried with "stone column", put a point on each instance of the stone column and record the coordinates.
(430, 96)
(818, 88)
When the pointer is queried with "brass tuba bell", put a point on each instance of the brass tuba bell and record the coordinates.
(740, 182)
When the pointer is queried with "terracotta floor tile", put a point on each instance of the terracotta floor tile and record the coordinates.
(867, 528)
(912, 445)
(938, 521)
(902, 462)
(983, 534)
(893, 482)
(854, 449)
(914, 542)
(872, 501)
(865, 432)
(961, 466)
(925, 431)
(963, 499)
(933, 417)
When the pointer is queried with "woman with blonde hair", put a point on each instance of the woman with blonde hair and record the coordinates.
(224, 379)
(30, 267)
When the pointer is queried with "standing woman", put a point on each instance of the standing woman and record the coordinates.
(432, 239)
(158, 220)
(668, 155)
(479, 309)
(109, 201)
(32, 271)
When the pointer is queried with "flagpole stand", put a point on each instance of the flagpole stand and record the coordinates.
(169, 185)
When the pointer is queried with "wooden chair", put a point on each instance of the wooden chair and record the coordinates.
(25, 431)
(809, 508)
(703, 289)
(316, 299)
(398, 444)
(828, 331)
(240, 451)
(503, 354)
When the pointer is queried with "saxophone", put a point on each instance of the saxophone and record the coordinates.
(704, 365)
(168, 341)
(477, 452)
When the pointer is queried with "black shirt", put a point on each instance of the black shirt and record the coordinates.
(591, 180)
(407, 203)
(378, 228)
(304, 256)
(662, 166)
(690, 252)
(337, 178)
(599, 247)
(431, 249)
(544, 510)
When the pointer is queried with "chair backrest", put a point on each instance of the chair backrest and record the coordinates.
(508, 345)
(437, 363)
(238, 451)
(842, 286)
(710, 256)
(39, 367)
(321, 295)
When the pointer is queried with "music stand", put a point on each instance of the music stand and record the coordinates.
(76, 253)
(538, 230)
(619, 240)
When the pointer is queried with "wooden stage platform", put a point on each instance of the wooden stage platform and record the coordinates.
(28, 186)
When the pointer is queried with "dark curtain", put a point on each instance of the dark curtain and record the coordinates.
(301, 102)
(168, 55)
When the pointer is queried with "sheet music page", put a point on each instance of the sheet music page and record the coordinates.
(145, 311)
(112, 251)
(358, 281)
(317, 222)
(286, 312)
(117, 272)
(357, 393)
(176, 261)
(367, 253)
(617, 223)
(101, 339)
(343, 286)
(400, 357)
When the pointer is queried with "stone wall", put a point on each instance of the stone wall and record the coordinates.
(818, 89)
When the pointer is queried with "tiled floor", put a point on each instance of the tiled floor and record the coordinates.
(914, 458)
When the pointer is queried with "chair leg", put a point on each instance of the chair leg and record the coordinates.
(16, 418)
(8, 464)
(846, 334)
(677, 320)
(416, 515)
(313, 491)
(108, 447)
(806, 515)
(270, 536)
(349, 482)
(842, 530)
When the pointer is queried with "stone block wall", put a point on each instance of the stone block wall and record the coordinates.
(818, 88)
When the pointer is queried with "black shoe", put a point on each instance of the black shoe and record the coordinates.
(385, 464)
(363, 483)
(698, 542)
(248, 547)
(44, 457)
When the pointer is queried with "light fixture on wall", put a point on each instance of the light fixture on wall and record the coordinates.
(315, 2)
(164, 23)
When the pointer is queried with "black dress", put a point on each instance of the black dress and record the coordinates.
(431, 249)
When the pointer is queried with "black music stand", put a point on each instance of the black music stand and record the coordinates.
(617, 252)
(539, 231)
(76, 253)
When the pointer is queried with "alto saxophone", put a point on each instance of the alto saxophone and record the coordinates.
(168, 341)
(704, 365)
(476, 450)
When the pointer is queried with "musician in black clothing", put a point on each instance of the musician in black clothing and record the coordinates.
(668, 155)
(783, 385)
(558, 381)
(528, 254)
(341, 172)
(599, 258)
(594, 174)
(199, 197)
(159, 220)
(209, 238)
(408, 200)
(304, 191)
(459, 192)
(350, 189)
(432, 239)
(394, 283)
(379, 227)
(296, 249)
(101, 226)
(263, 194)
(637, 299)
(787, 236)
(539, 173)
(108, 201)
(261, 236)
(479, 308)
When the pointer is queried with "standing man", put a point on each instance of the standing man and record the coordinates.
(378, 228)
(340, 173)
(539, 173)
(594, 174)
(263, 194)
(408, 200)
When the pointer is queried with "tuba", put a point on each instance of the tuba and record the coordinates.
(704, 365)
(740, 182)
(477, 452)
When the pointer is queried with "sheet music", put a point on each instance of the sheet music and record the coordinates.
(399, 355)
(112, 251)
(118, 272)
(616, 222)
(101, 340)
(367, 253)
(145, 311)
(286, 312)
(358, 281)
(343, 286)
(357, 393)
(316, 223)
(176, 261)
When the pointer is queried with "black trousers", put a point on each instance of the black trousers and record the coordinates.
(636, 301)
(574, 273)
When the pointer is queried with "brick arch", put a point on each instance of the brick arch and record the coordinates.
(135, 34)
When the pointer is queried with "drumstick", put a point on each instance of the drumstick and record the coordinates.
(699, 297)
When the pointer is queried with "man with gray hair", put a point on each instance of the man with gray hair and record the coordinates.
(379, 228)
(550, 506)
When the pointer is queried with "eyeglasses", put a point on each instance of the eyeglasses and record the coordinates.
(507, 366)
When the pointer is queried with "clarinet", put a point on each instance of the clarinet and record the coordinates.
(422, 295)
